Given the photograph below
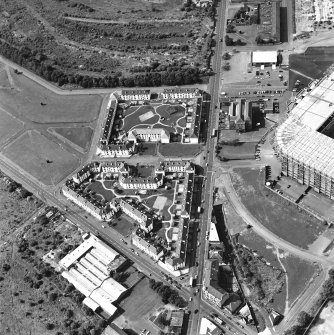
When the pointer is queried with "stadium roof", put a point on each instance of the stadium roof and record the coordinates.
(264, 56)
(298, 137)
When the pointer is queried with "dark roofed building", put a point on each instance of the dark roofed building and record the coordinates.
(176, 321)
(212, 291)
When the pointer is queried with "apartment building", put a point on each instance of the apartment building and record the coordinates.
(86, 172)
(211, 288)
(148, 183)
(155, 252)
(114, 167)
(177, 166)
(122, 150)
(135, 95)
(139, 213)
(180, 93)
(148, 135)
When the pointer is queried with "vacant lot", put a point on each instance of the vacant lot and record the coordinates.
(14, 209)
(297, 282)
(312, 63)
(240, 151)
(142, 303)
(43, 159)
(9, 126)
(294, 266)
(179, 150)
(277, 214)
(34, 102)
(80, 136)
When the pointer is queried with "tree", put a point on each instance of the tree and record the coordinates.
(53, 296)
(226, 56)
(227, 67)
(304, 319)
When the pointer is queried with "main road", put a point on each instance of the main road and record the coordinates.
(214, 90)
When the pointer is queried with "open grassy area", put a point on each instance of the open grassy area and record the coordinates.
(9, 125)
(179, 150)
(80, 136)
(275, 213)
(97, 187)
(312, 63)
(26, 102)
(244, 150)
(43, 159)
(142, 303)
(144, 115)
(299, 273)
(124, 224)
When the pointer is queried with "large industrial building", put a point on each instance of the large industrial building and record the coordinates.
(304, 141)
(89, 267)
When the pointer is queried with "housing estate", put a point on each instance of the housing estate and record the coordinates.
(304, 141)
(121, 150)
(156, 252)
(180, 93)
(135, 95)
(193, 121)
(139, 213)
(88, 268)
(148, 135)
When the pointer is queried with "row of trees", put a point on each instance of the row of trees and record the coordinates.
(40, 64)
(230, 41)
(167, 294)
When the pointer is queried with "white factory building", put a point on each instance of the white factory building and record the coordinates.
(88, 268)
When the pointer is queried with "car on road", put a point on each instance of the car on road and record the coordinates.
(132, 250)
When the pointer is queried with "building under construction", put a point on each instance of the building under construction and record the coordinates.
(305, 140)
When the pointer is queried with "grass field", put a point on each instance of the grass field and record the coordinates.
(124, 224)
(275, 213)
(313, 62)
(133, 118)
(179, 150)
(148, 149)
(244, 150)
(43, 159)
(9, 125)
(297, 282)
(26, 103)
(138, 307)
(171, 113)
(97, 187)
(80, 136)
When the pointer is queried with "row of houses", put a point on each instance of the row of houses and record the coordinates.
(167, 94)
(178, 258)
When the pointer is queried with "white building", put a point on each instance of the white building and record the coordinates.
(135, 95)
(148, 183)
(180, 93)
(88, 268)
(149, 135)
(264, 58)
(124, 150)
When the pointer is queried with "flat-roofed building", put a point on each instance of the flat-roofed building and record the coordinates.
(156, 252)
(207, 327)
(148, 135)
(88, 269)
(135, 95)
(264, 58)
(176, 321)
